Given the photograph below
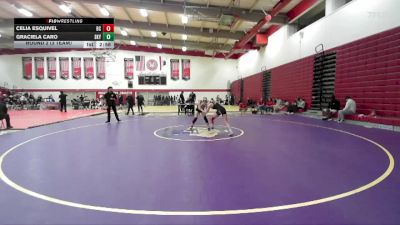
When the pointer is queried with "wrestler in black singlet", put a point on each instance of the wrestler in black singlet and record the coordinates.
(220, 109)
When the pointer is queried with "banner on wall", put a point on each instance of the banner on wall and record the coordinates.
(174, 69)
(88, 68)
(128, 68)
(186, 69)
(76, 68)
(39, 68)
(101, 68)
(140, 63)
(52, 67)
(27, 67)
(64, 67)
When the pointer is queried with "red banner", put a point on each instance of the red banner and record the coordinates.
(89, 68)
(39, 67)
(64, 67)
(52, 67)
(128, 68)
(76, 68)
(186, 69)
(174, 69)
(27, 67)
(101, 68)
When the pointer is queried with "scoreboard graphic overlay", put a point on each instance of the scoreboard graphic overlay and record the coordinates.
(64, 33)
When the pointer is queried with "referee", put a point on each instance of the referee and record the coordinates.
(110, 98)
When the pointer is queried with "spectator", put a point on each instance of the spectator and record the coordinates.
(63, 101)
(292, 108)
(130, 101)
(181, 98)
(242, 108)
(349, 109)
(333, 107)
(301, 104)
(269, 105)
(261, 106)
(4, 113)
(121, 101)
(140, 102)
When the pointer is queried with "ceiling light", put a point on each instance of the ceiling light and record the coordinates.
(184, 37)
(0, 35)
(143, 12)
(184, 48)
(124, 33)
(104, 11)
(65, 8)
(185, 19)
(25, 12)
(159, 46)
(153, 34)
(133, 42)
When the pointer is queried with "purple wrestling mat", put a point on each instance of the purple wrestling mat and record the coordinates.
(153, 170)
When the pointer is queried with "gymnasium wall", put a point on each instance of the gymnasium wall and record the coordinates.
(212, 74)
(356, 20)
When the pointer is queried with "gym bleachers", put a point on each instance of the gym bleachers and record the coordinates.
(293, 80)
(253, 87)
(368, 70)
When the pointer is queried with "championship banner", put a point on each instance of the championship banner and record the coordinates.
(39, 67)
(27, 67)
(128, 64)
(64, 67)
(186, 69)
(101, 68)
(52, 67)
(140, 63)
(174, 69)
(76, 68)
(88, 68)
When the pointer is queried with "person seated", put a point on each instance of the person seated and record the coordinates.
(4, 113)
(292, 108)
(269, 105)
(261, 106)
(333, 107)
(301, 105)
(280, 105)
(349, 109)
(242, 108)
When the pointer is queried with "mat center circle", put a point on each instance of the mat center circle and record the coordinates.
(197, 133)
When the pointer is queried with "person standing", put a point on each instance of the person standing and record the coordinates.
(110, 98)
(4, 113)
(140, 102)
(129, 100)
(63, 101)
(121, 101)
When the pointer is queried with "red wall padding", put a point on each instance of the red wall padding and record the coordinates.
(369, 71)
(235, 90)
(253, 87)
(293, 80)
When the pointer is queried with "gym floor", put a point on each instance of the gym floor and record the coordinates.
(153, 170)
